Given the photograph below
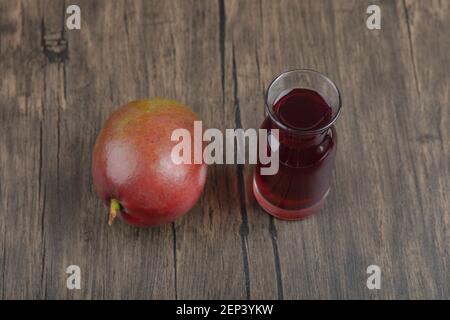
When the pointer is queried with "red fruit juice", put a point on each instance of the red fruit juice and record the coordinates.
(306, 155)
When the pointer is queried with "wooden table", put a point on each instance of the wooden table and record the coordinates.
(389, 205)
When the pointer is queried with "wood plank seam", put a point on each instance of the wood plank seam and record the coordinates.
(244, 228)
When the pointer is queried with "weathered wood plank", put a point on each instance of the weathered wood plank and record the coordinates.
(22, 180)
(112, 60)
(244, 96)
(301, 35)
(210, 261)
(429, 39)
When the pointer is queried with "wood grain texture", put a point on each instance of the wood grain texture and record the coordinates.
(389, 204)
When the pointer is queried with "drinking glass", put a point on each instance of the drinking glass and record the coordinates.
(303, 105)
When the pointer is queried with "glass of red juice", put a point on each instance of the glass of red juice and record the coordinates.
(303, 105)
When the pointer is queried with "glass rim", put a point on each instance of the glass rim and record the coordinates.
(304, 131)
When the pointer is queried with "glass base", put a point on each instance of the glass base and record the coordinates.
(286, 214)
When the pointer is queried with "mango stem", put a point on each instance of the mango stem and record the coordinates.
(114, 209)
